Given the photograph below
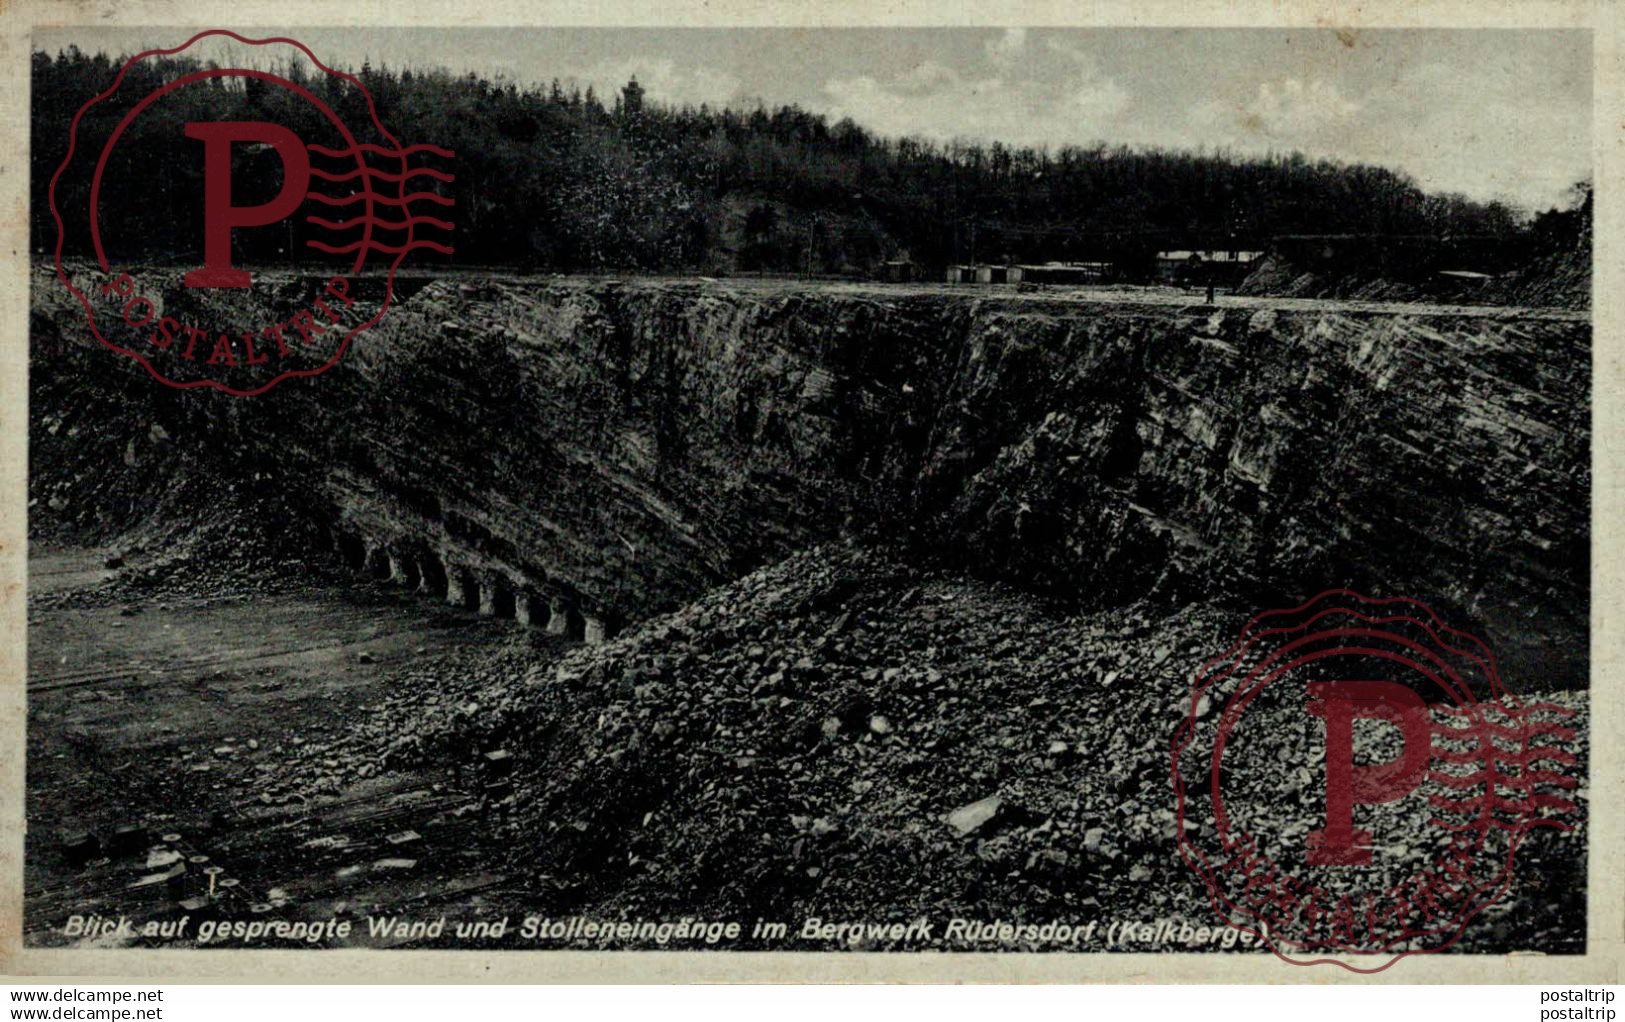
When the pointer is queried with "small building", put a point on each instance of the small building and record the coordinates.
(1225, 267)
(1469, 279)
(1065, 273)
(896, 271)
(1178, 265)
(992, 274)
(960, 274)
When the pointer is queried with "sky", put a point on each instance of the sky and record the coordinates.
(1492, 114)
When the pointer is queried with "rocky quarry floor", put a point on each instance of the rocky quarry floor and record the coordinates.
(843, 735)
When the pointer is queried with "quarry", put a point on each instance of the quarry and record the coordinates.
(609, 597)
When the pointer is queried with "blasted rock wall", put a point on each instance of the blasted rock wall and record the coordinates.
(604, 449)
(635, 443)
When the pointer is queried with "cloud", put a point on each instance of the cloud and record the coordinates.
(1288, 113)
(925, 78)
(1485, 135)
(1293, 108)
(1052, 96)
(1007, 48)
(1094, 97)
(1508, 127)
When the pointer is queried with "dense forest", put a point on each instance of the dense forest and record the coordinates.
(555, 178)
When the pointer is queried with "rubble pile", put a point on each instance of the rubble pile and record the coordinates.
(157, 477)
(846, 729)
(203, 540)
(1555, 280)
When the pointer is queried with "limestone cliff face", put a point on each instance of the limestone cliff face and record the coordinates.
(613, 448)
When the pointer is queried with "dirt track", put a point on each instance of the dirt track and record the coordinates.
(408, 282)
(132, 712)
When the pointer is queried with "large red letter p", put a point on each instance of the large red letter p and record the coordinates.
(1339, 703)
(219, 215)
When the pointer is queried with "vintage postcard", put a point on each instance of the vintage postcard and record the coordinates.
(752, 493)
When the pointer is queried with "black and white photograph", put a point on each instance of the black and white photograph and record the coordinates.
(1061, 491)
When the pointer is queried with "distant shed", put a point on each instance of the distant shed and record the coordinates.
(1219, 266)
(1065, 273)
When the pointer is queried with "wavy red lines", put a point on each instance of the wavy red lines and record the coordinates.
(1483, 727)
(1484, 776)
(1531, 809)
(367, 175)
(1520, 757)
(1490, 821)
(1479, 708)
(368, 147)
(382, 175)
(388, 225)
(328, 200)
(378, 246)
(1487, 802)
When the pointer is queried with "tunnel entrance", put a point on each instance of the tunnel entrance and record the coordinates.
(352, 552)
(503, 602)
(530, 610)
(433, 576)
(465, 593)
